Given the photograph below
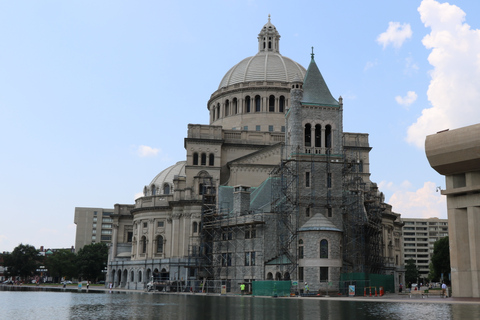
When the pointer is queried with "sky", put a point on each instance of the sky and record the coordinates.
(96, 96)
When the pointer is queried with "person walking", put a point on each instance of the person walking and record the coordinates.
(242, 288)
(307, 291)
(444, 290)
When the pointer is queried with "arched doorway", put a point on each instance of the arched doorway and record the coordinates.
(164, 275)
(269, 276)
(149, 275)
(124, 278)
(278, 276)
(119, 278)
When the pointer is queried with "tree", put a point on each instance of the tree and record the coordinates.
(23, 261)
(411, 272)
(441, 259)
(92, 260)
(62, 263)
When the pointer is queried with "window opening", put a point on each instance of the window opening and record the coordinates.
(318, 135)
(281, 104)
(308, 135)
(324, 249)
(195, 159)
(271, 103)
(257, 104)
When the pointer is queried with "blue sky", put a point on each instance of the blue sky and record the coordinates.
(96, 96)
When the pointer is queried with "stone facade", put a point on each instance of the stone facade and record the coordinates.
(270, 121)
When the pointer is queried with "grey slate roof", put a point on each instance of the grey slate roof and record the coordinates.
(319, 223)
(315, 90)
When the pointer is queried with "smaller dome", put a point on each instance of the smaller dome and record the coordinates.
(163, 182)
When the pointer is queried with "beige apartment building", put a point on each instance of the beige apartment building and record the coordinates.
(93, 225)
(419, 236)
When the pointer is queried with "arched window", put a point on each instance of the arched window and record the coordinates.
(132, 275)
(195, 227)
(269, 276)
(139, 276)
(307, 212)
(257, 104)
(318, 135)
(213, 113)
(271, 103)
(227, 106)
(159, 244)
(144, 244)
(204, 159)
(195, 159)
(235, 106)
(324, 249)
(154, 190)
(218, 110)
(211, 159)
(328, 136)
(300, 249)
(308, 135)
(281, 104)
(166, 188)
(247, 103)
(360, 166)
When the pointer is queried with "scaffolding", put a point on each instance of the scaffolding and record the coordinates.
(285, 206)
(362, 216)
(226, 241)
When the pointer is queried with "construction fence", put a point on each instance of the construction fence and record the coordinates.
(347, 287)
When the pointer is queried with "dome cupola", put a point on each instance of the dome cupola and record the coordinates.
(255, 93)
(268, 38)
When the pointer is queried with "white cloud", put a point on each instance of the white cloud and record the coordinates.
(455, 56)
(410, 66)
(146, 151)
(425, 202)
(410, 98)
(370, 64)
(396, 34)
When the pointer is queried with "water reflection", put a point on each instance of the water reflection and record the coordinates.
(44, 304)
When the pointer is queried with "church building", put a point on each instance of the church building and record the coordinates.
(271, 189)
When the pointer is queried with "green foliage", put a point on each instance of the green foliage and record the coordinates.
(23, 261)
(441, 259)
(61, 263)
(91, 260)
(411, 272)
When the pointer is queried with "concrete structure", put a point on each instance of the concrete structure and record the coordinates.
(456, 155)
(271, 188)
(419, 236)
(93, 225)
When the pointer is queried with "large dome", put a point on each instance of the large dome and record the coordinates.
(254, 94)
(267, 65)
(264, 66)
(163, 182)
